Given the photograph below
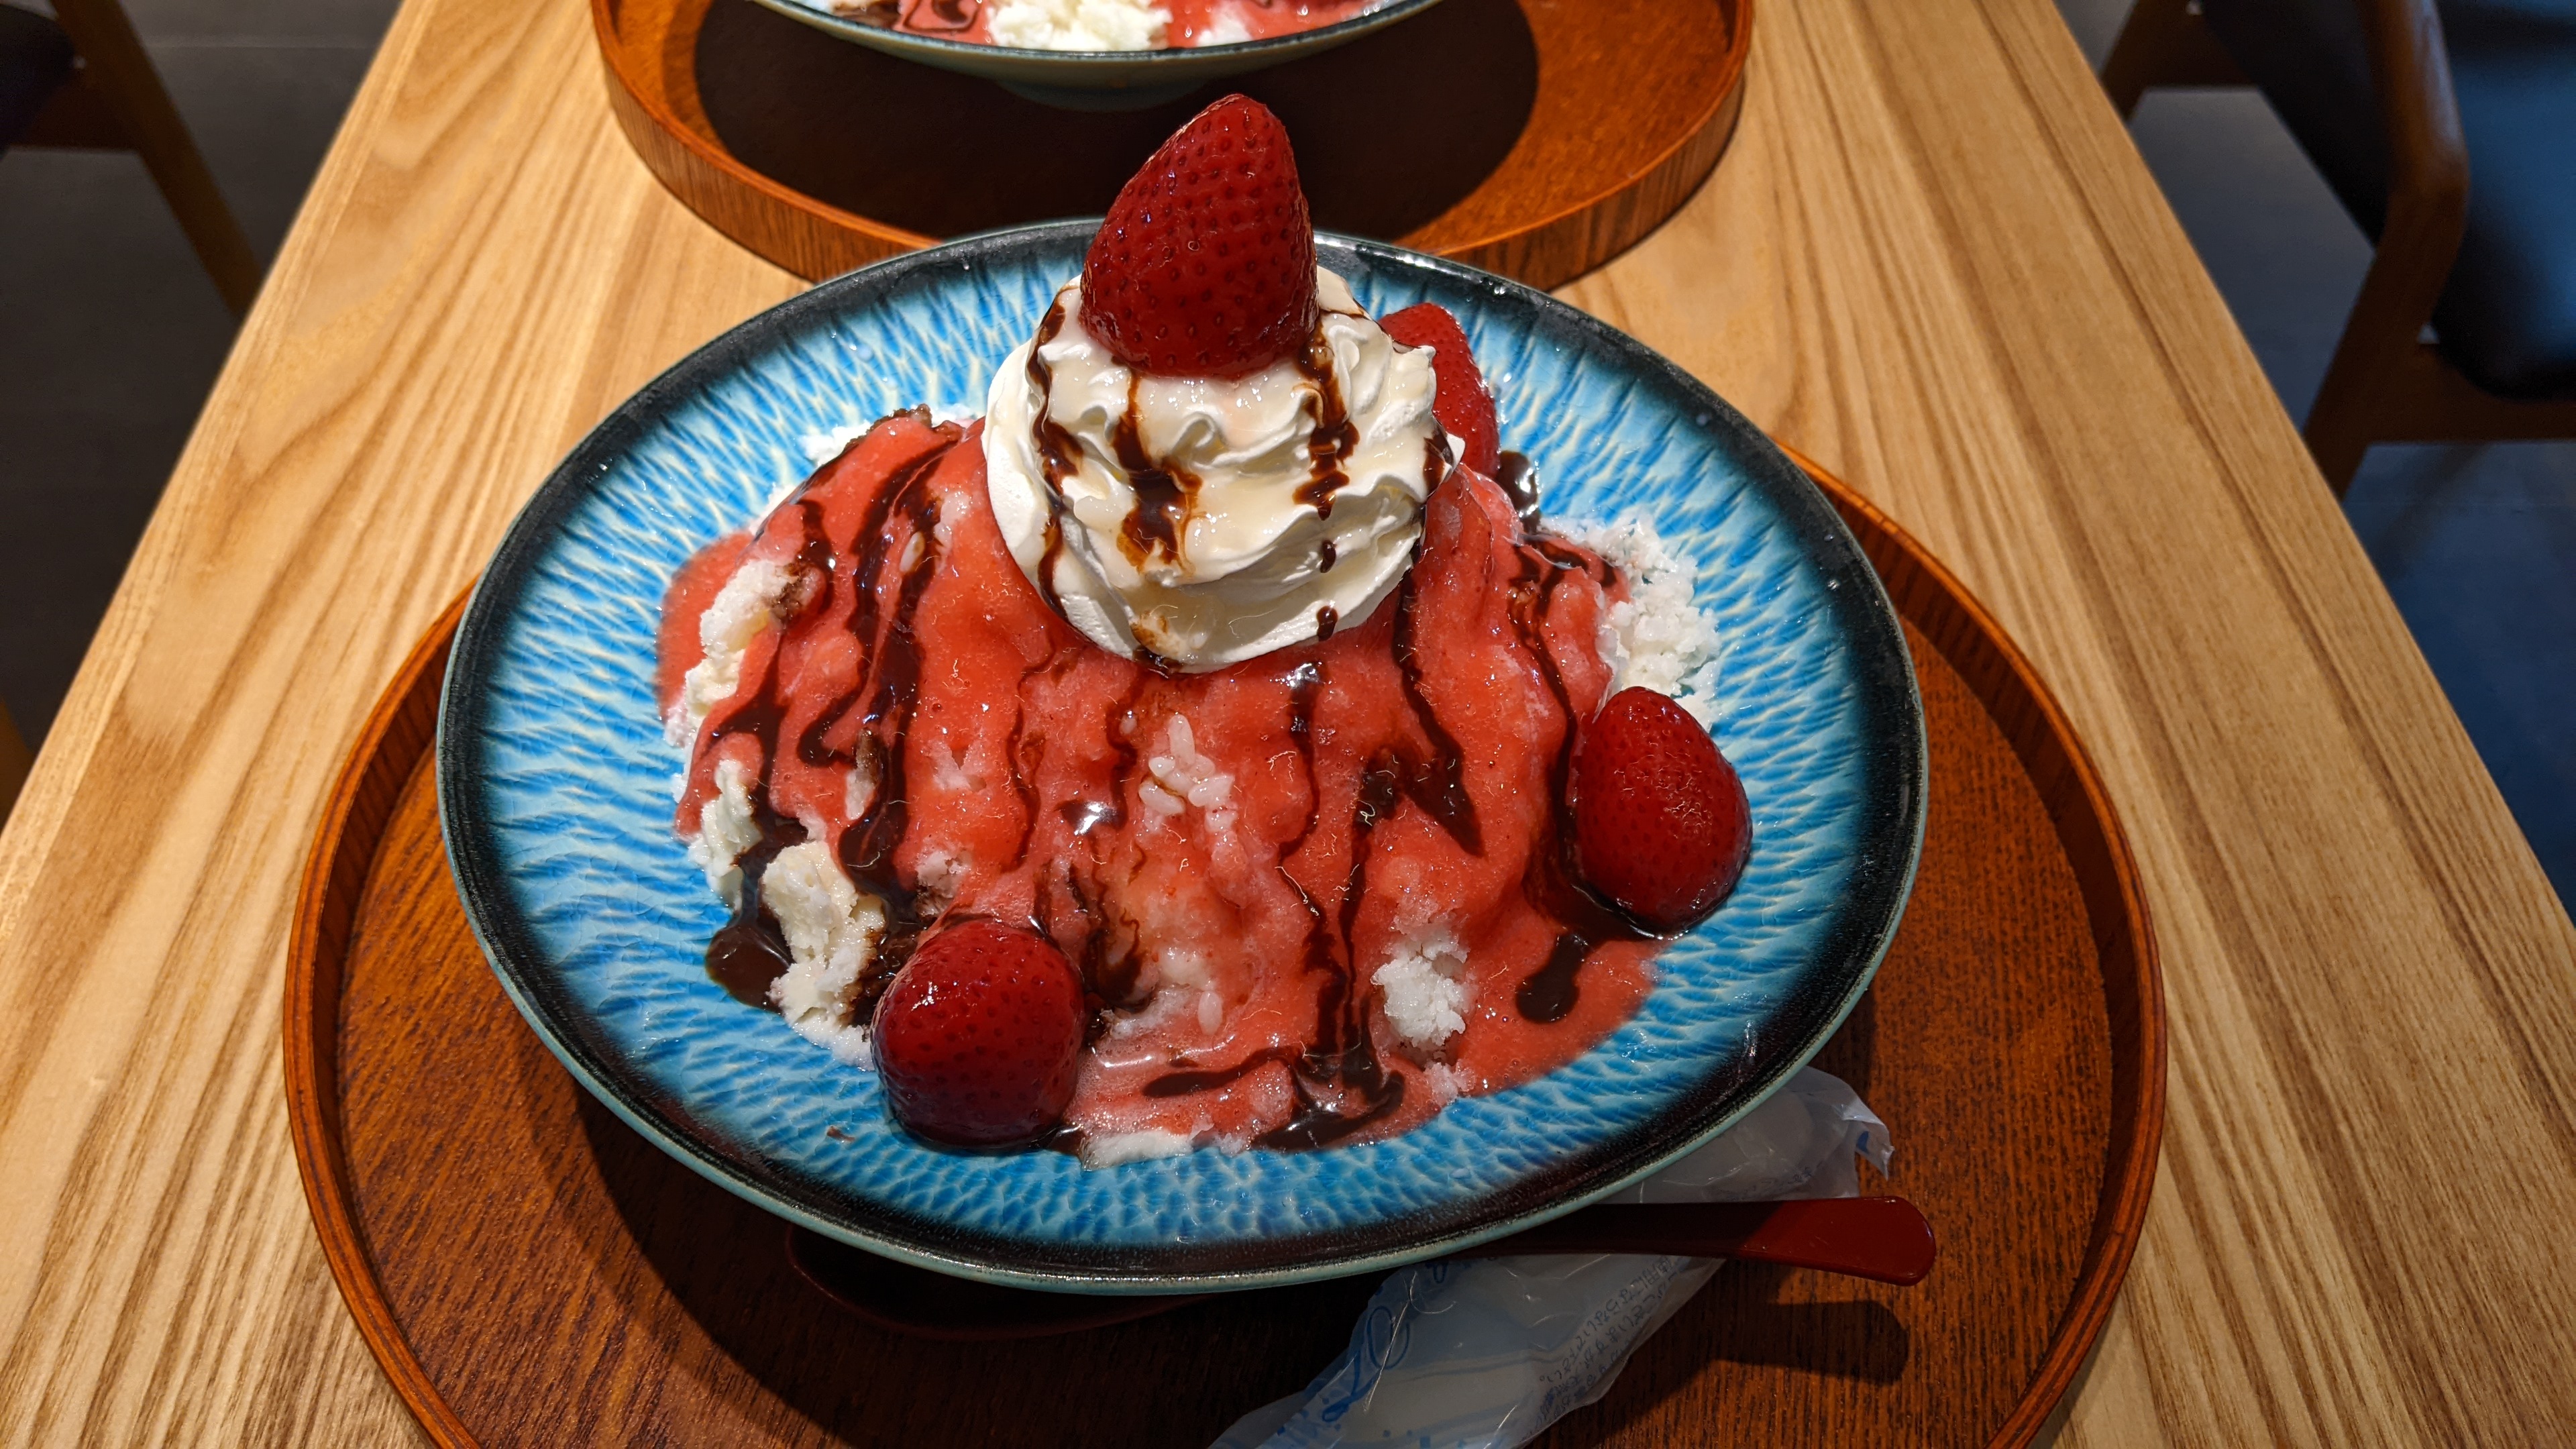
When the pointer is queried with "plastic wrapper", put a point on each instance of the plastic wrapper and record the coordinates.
(1485, 1353)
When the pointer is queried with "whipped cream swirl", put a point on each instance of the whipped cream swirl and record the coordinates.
(1204, 521)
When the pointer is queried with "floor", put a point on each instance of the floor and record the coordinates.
(110, 334)
(110, 337)
(2476, 544)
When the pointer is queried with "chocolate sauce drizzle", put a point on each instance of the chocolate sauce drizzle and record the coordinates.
(1328, 447)
(1343, 1053)
(1024, 750)
(1165, 496)
(749, 953)
(1518, 478)
(867, 847)
(1109, 980)
(1550, 883)
(1085, 816)
(1184, 1083)
(1436, 782)
(1058, 454)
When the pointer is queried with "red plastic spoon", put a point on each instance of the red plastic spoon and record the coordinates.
(1881, 1238)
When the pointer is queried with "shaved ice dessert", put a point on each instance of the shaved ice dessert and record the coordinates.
(1210, 747)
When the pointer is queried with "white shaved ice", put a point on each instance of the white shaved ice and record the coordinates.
(832, 929)
(936, 879)
(747, 604)
(825, 444)
(1109, 1149)
(1426, 1002)
(1658, 638)
(948, 769)
(1183, 777)
(725, 831)
(1078, 24)
(1226, 29)
(822, 447)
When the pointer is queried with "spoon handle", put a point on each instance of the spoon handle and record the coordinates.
(1866, 1237)
(1881, 1238)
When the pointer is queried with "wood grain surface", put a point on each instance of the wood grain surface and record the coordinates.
(491, 1223)
(1537, 138)
(1932, 258)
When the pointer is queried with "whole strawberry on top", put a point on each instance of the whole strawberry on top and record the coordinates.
(1205, 266)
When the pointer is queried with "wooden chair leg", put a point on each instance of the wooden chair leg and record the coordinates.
(2367, 394)
(15, 761)
(114, 64)
(2341, 423)
(2164, 43)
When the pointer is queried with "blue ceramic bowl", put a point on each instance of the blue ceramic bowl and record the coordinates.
(555, 789)
(1100, 80)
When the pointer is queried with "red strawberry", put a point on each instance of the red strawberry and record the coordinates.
(1206, 264)
(1660, 823)
(977, 1036)
(1462, 403)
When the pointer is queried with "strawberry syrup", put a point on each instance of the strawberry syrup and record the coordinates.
(1406, 772)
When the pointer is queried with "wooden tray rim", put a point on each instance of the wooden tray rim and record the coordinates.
(400, 728)
(645, 116)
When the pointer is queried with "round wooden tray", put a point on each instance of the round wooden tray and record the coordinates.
(1536, 138)
(529, 1270)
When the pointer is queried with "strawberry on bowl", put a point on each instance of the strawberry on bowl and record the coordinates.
(979, 1036)
(1187, 826)
(1662, 828)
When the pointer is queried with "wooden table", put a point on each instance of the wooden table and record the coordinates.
(1932, 260)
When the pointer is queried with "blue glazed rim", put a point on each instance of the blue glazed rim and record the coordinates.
(1869, 907)
(1167, 72)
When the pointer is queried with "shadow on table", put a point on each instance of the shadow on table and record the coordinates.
(1179, 1379)
(1450, 92)
(806, 1372)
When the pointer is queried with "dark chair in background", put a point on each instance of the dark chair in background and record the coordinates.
(14, 764)
(81, 80)
(2449, 134)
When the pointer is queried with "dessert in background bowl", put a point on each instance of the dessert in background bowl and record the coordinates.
(1110, 55)
(1217, 750)
(1103, 24)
